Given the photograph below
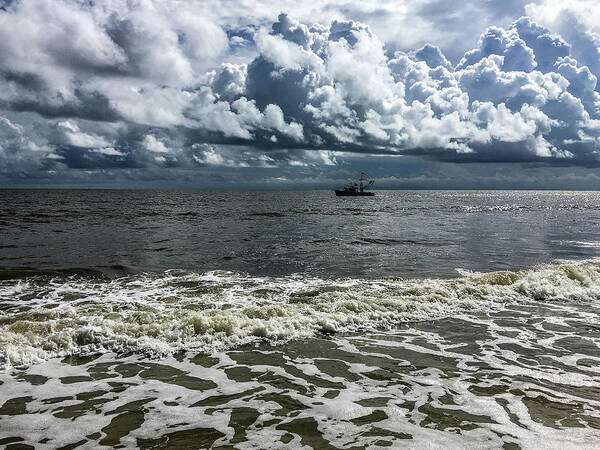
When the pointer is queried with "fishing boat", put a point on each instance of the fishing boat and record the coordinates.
(357, 189)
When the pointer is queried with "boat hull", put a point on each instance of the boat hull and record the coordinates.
(342, 193)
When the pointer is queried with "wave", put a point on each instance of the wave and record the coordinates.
(49, 315)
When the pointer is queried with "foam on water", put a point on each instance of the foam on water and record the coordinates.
(163, 313)
(486, 381)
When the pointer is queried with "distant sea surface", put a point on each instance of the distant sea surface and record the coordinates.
(266, 319)
(395, 234)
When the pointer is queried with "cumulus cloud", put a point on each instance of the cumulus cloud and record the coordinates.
(21, 152)
(577, 22)
(149, 84)
(74, 136)
(499, 103)
(154, 145)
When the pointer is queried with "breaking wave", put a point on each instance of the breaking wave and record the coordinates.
(44, 316)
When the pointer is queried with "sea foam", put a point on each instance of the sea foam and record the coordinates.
(163, 313)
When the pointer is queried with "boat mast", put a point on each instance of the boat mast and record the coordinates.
(363, 177)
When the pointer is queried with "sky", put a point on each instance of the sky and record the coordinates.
(236, 94)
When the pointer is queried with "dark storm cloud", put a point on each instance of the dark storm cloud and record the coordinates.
(26, 80)
(78, 158)
(84, 105)
(124, 85)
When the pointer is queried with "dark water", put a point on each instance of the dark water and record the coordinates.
(395, 234)
(299, 320)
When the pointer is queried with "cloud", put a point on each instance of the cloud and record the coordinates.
(154, 145)
(432, 56)
(339, 83)
(153, 84)
(229, 81)
(72, 135)
(21, 154)
(576, 21)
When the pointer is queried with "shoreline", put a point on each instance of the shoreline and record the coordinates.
(497, 378)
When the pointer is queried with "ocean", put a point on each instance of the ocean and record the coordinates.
(296, 319)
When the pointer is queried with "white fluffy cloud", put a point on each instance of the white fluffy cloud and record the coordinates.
(165, 83)
(499, 103)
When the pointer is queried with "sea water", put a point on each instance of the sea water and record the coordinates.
(298, 319)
